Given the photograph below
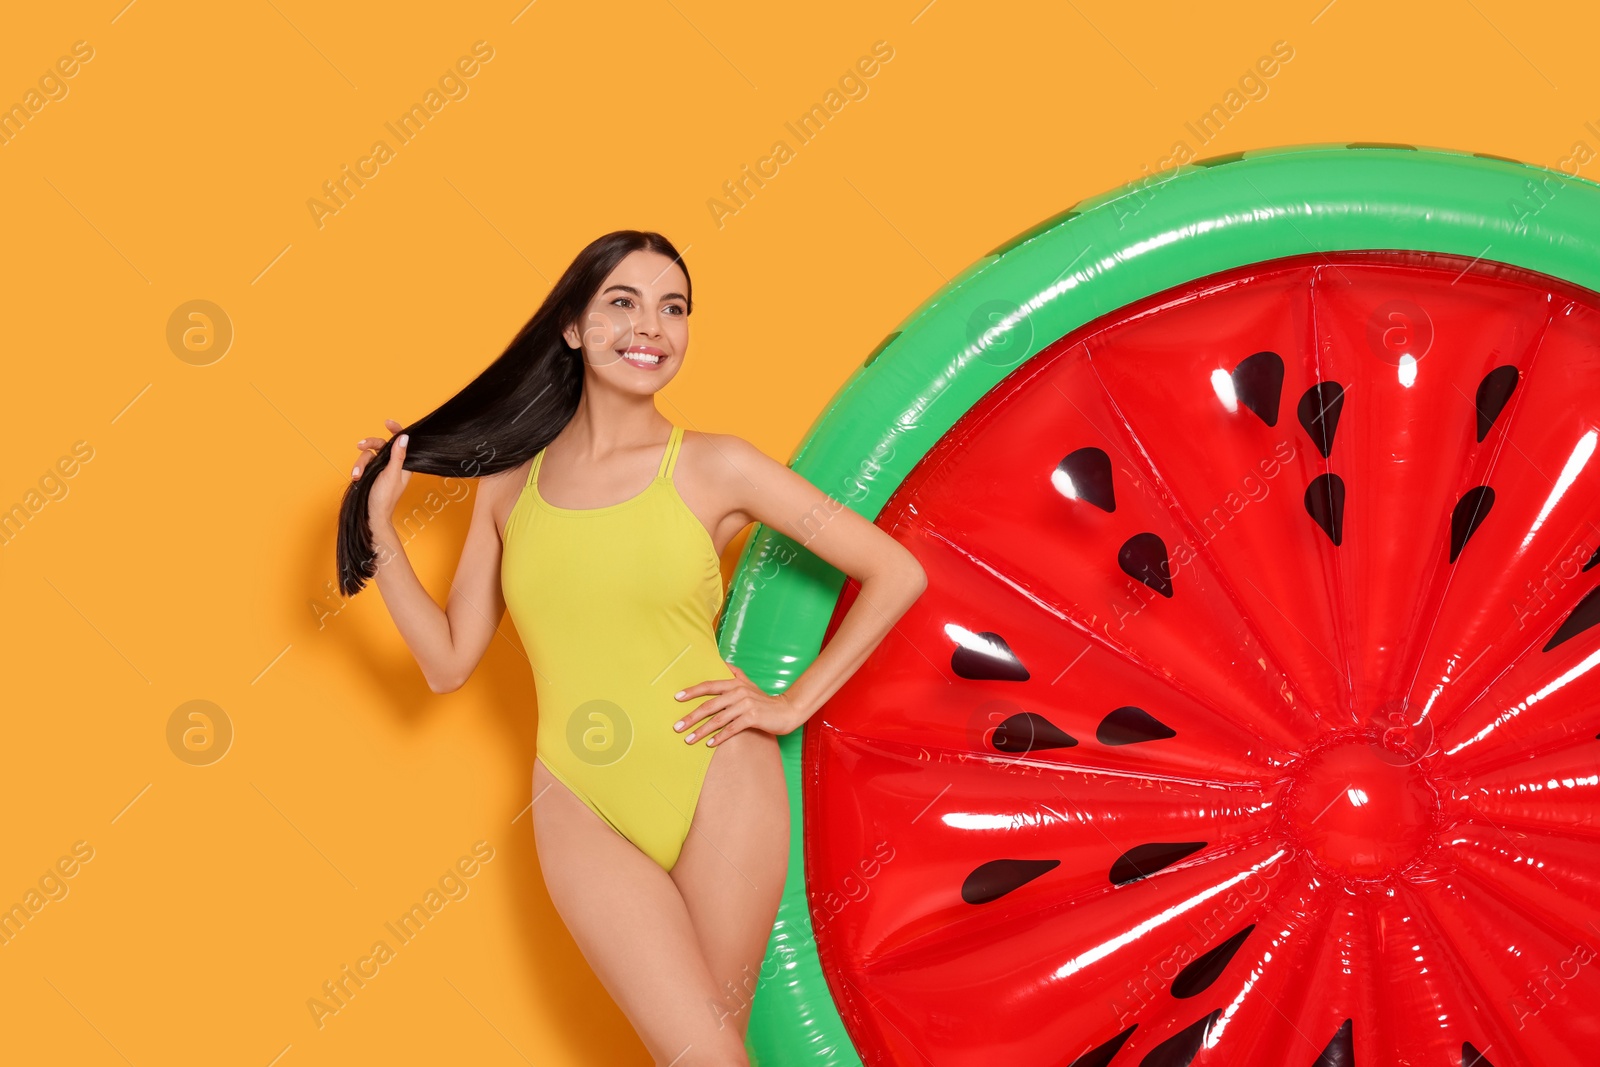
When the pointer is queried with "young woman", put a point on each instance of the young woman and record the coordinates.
(600, 524)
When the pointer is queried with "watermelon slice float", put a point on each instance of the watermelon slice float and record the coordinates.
(1248, 716)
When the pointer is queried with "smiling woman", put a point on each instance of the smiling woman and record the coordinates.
(504, 416)
(625, 298)
(600, 525)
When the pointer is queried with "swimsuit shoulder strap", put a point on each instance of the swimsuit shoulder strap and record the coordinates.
(669, 459)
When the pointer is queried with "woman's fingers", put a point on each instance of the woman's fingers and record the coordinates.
(393, 472)
(397, 459)
(390, 483)
(720, 721)
(376, 443)
(717, 685)
(724, 710)
(737, 704)
(703, 718)
(372, 445)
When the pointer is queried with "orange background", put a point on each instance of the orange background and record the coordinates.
(186, 551)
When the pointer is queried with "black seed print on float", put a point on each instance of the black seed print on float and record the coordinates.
(1144, 860)
(1471, 1057)
(1341, 1050)
(1143, 557)
(1585, 615)
(1029, 732)
(1086, 473)
(1101, 1055)
(1325, 505)
(1318, 412)
(1493, 392)
(1197, 976)
(994, 661)
(1593, 559)
(1131, 726)
(1470, 511)
(995, 879)
(1181, 1048)
(1258, 383)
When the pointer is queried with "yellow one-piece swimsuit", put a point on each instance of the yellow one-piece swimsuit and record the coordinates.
(616, 608)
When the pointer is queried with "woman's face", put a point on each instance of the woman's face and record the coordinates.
(635, 331)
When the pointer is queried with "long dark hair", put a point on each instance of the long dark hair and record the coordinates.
(515, 407)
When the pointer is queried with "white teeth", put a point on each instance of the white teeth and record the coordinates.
(643, 357)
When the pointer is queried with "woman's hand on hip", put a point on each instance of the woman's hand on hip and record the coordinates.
(737, 704)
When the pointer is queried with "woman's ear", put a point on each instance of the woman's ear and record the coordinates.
(570, 334)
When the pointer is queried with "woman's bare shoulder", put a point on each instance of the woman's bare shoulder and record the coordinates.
(724, 462)
(501, 477)
(718, 455)
(502, 484)
(498, 492)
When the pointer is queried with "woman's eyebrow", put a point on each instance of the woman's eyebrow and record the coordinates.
(635, 292)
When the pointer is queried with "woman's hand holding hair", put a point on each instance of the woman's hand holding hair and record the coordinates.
(390, 482)
(425, 626)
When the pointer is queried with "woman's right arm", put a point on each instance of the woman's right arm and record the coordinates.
(448, 642)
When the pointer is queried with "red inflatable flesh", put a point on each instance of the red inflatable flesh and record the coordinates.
(1247, 717)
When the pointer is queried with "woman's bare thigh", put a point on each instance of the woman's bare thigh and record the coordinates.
(733, 864)
(629, 919)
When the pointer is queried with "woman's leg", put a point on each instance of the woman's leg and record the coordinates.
(629, 920)
(732, 866)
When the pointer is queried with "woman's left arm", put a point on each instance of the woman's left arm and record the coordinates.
(891, 579)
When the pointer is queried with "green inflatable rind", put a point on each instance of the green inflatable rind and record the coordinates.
(1098, 256)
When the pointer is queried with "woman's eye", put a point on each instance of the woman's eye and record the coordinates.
(678, 308)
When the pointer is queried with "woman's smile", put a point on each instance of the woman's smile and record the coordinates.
(645, 356)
